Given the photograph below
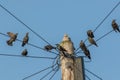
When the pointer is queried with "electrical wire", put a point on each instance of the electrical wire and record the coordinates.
(47, 74)
(102, 21)
(23, 23)
(38, 72)
(31, 44)
(12, 55)
(53, 74)
(101, 37)
(104, 35)
(93, 74)
(96, 40)
(107, 16)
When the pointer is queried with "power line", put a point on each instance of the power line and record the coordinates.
(107, 16)
(101, 37)
(53, 74)
(30, 44)
(23, 23)
(38, 72)
(93, 74)
(46, 74)
(103, 20)
(96, 41)
(12, 55)
(104, 35)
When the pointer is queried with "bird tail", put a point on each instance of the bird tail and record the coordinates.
(118, 30)
(23, 44)
(9, 43)
(89, 57)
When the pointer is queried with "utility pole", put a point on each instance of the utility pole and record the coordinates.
(72, 68)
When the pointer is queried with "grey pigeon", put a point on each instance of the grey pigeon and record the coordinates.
(49, 47)
(92, 41)
(24, 52)
(115, 26)
(90, 33)
(25, 39)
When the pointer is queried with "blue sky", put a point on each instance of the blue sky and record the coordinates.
(51, 19)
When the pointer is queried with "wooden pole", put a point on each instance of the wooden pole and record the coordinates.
(72, 68)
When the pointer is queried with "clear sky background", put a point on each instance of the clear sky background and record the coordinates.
(51, 19)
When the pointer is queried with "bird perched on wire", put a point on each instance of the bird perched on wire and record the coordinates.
(90, 33)
(49, 47)
(24, 52)
(84, 49)
(87, 53)
(25, 40)
(13, 37)
(83, 46)
(61, 49)
(92, 41)
(115, 26)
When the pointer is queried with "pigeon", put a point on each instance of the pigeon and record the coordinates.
(12, 35)
(115, 26)
(87, 53)
(92, 41)
(49, 47)
(24, 52)
(25, 39)
(83, 46)
(90, 33)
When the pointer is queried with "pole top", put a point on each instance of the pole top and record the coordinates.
(66, 38)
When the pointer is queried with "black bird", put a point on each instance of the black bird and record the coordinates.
(25, 39)
(60, 48)
(24, 52)
(87, 53)
(115, 26)
(83, 46)
(49, 47)
(90, 33)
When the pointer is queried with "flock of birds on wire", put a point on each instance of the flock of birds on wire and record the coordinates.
(49, 47)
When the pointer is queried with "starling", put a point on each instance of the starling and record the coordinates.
(92, 41)
(87, 53)
(49, 47)
(60, 48)
(115, 26)
(83, 46)
(25, 39)
(24, 52)
(12, 35)
(90, 33)
(10, 42)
